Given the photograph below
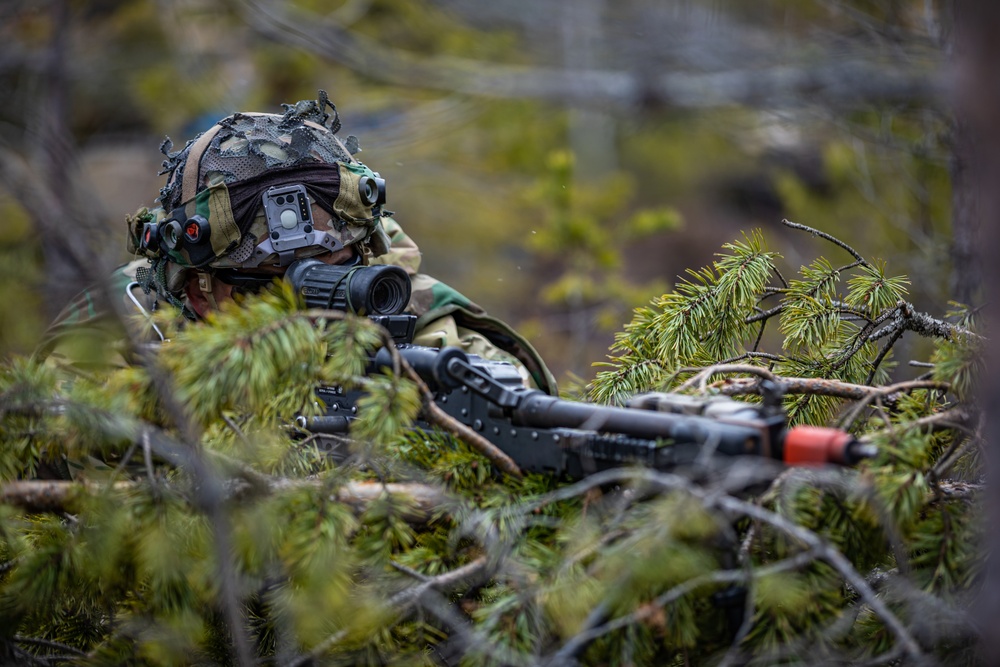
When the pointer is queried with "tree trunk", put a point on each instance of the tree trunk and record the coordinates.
(977, 112)
(54, 159)
(966, 272)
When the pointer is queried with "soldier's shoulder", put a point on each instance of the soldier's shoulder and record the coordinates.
(88, 317)
(430, 294)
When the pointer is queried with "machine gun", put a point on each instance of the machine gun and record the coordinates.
(545, 434)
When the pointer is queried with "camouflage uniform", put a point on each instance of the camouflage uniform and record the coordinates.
(212, 221)
(446, 317)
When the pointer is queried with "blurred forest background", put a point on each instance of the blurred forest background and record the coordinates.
(559, 162)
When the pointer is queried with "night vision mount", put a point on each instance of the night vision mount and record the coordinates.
(290, 226)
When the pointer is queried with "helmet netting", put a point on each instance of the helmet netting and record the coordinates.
(248, 144)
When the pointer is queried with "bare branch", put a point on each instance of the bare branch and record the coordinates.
(816, 546)
(48, 643)
(831, 239)
(834, 83)
(703, 376)
(60, 495)
(956, 417)
(881, 356)
(957, 450)
(815, 386)
(589, 633)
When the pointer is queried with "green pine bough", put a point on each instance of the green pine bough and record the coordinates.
(201, 526)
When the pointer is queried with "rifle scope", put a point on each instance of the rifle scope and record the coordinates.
(363, 290)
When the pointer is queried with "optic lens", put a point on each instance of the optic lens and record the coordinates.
(171, 234)
(387, 296)
(368, 190)
(365, 290)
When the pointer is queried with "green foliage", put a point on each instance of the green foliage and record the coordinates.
(720, 314)
(895, 515)
(628, 573)
(892, 193)
(959, 359)
(134, 574)
(871, 292)
(703, 320)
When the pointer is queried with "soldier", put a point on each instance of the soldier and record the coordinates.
(211, 237)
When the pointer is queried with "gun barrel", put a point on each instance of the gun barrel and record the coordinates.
(541, 411)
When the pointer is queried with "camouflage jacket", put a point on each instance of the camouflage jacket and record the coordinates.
(447, 317)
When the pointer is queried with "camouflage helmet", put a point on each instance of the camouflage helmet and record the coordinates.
(239, 196)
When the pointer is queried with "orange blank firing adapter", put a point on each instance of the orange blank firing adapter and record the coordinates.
(816, 445)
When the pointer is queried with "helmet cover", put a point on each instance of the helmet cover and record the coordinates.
(217, 181)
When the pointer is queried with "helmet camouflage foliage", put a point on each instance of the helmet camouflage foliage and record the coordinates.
(212, 211)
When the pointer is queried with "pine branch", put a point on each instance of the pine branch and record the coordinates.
(54, 496)
(951, 457)
(864, 336)
(765, 315)
(831, 555)
(447, 581)
(882, 355)
(594, 628)
(822, 549)
(702, 377)
(948, 419)
(888, 392)
(209, 494)
(475, 642)
(907, 318)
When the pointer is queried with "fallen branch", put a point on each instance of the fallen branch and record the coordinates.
(45, 496)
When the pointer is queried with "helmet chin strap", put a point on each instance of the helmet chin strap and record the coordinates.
(206, 286)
